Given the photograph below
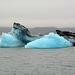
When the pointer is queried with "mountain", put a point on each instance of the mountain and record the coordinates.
(68, 29)
(37, 30)
(5, 29)
(43, 30)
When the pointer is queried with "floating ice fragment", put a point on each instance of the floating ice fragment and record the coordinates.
(18, 37)
(8, 40)
(50, 41)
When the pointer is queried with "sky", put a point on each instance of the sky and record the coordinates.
(37, 13)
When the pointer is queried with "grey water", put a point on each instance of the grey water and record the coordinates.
(21, 61)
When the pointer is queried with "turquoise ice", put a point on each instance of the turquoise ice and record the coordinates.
(7, 40)
(49, 41)
(18, 37)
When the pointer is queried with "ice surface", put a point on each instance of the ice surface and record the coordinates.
(7, 40)
(50, 41)
(18, 37)
(22, 33)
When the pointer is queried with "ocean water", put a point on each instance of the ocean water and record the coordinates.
(21, 61)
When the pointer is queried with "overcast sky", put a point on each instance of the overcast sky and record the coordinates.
(37, 13)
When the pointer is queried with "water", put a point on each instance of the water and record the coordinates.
(21, 61)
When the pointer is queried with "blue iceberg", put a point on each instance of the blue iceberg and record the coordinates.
(18, 37)
(49, 41)
(8, 40)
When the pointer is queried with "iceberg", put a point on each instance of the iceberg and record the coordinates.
(22, 33)
(69, 35)
(49, 41)
(8, 40)
(18, 37)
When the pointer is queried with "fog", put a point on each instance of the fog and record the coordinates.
(37, 13)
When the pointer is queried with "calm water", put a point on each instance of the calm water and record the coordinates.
(21, 61)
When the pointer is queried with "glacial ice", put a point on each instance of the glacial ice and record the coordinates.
(7, 40)
(49, 41)
(20, 36)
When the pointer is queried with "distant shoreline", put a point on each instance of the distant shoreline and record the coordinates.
(37, 30)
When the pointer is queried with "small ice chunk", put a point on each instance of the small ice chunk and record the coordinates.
(7, 40)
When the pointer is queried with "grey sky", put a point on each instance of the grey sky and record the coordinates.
(35, 13)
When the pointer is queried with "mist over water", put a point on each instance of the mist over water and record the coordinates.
(21, 61)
